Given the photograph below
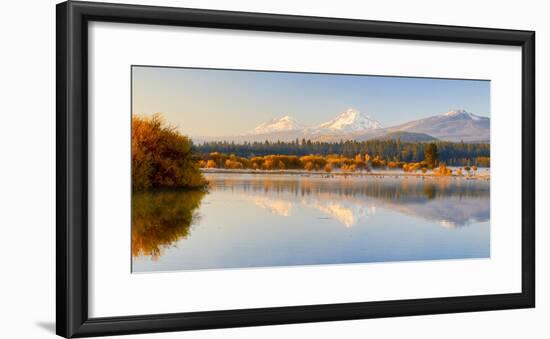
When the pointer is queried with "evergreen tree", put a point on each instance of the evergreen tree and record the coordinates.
(431, 155)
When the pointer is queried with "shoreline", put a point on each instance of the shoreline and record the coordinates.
(386, 173)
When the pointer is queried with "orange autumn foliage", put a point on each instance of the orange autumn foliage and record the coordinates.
(161, 156)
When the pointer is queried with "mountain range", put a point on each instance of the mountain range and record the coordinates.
(455, 125)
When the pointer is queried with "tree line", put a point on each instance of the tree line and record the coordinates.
(452, 153)
(329, 163)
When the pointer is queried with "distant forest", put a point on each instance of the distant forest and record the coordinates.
(451, 153)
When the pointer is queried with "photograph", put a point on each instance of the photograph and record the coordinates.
(249, 169)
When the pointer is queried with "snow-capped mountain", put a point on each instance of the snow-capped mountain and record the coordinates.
(347, 125)
(460, 113)
(277, 125)
(456, 125)
(349, 121)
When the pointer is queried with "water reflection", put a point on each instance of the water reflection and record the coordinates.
(161, 218)
(449, 201)
(271, 220)
(275, 206)
(403, 189)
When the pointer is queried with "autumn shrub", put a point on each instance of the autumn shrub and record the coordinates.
(268, 164)
(161, 156)
(233, 164)
(256, 162)
(443, 170)
(218, 158)
(317, 161)
(412, 167)
(483, 161)
(378, 162)
(360, 161)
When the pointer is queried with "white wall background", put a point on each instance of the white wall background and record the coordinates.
(27, 168)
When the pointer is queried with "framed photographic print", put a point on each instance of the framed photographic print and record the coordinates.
(222, 169)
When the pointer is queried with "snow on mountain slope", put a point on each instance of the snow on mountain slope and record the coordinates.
(277, 125)
(463, 114)
(349, 121)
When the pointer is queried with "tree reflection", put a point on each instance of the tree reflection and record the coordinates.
(429, 191)
(161, 218)
(405, 190)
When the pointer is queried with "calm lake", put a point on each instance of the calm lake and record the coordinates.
(255, 220)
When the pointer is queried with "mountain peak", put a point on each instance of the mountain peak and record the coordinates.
(351, 120)
(463, 114)
(285, 118)
(455, 112)
(282, 124)
(351, 113)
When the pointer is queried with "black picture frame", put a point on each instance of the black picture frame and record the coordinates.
(72, 319)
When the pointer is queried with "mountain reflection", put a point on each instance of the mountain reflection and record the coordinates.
(161, 218)
(275, 206)
(347, 216)
(449, 202)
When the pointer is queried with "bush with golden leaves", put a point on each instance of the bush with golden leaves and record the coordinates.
(161, 156)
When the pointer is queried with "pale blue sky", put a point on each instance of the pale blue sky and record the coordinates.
(209, 102)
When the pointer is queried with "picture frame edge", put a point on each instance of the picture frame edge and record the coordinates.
(72, 318)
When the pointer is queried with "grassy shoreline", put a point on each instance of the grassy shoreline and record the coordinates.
(383, 173)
